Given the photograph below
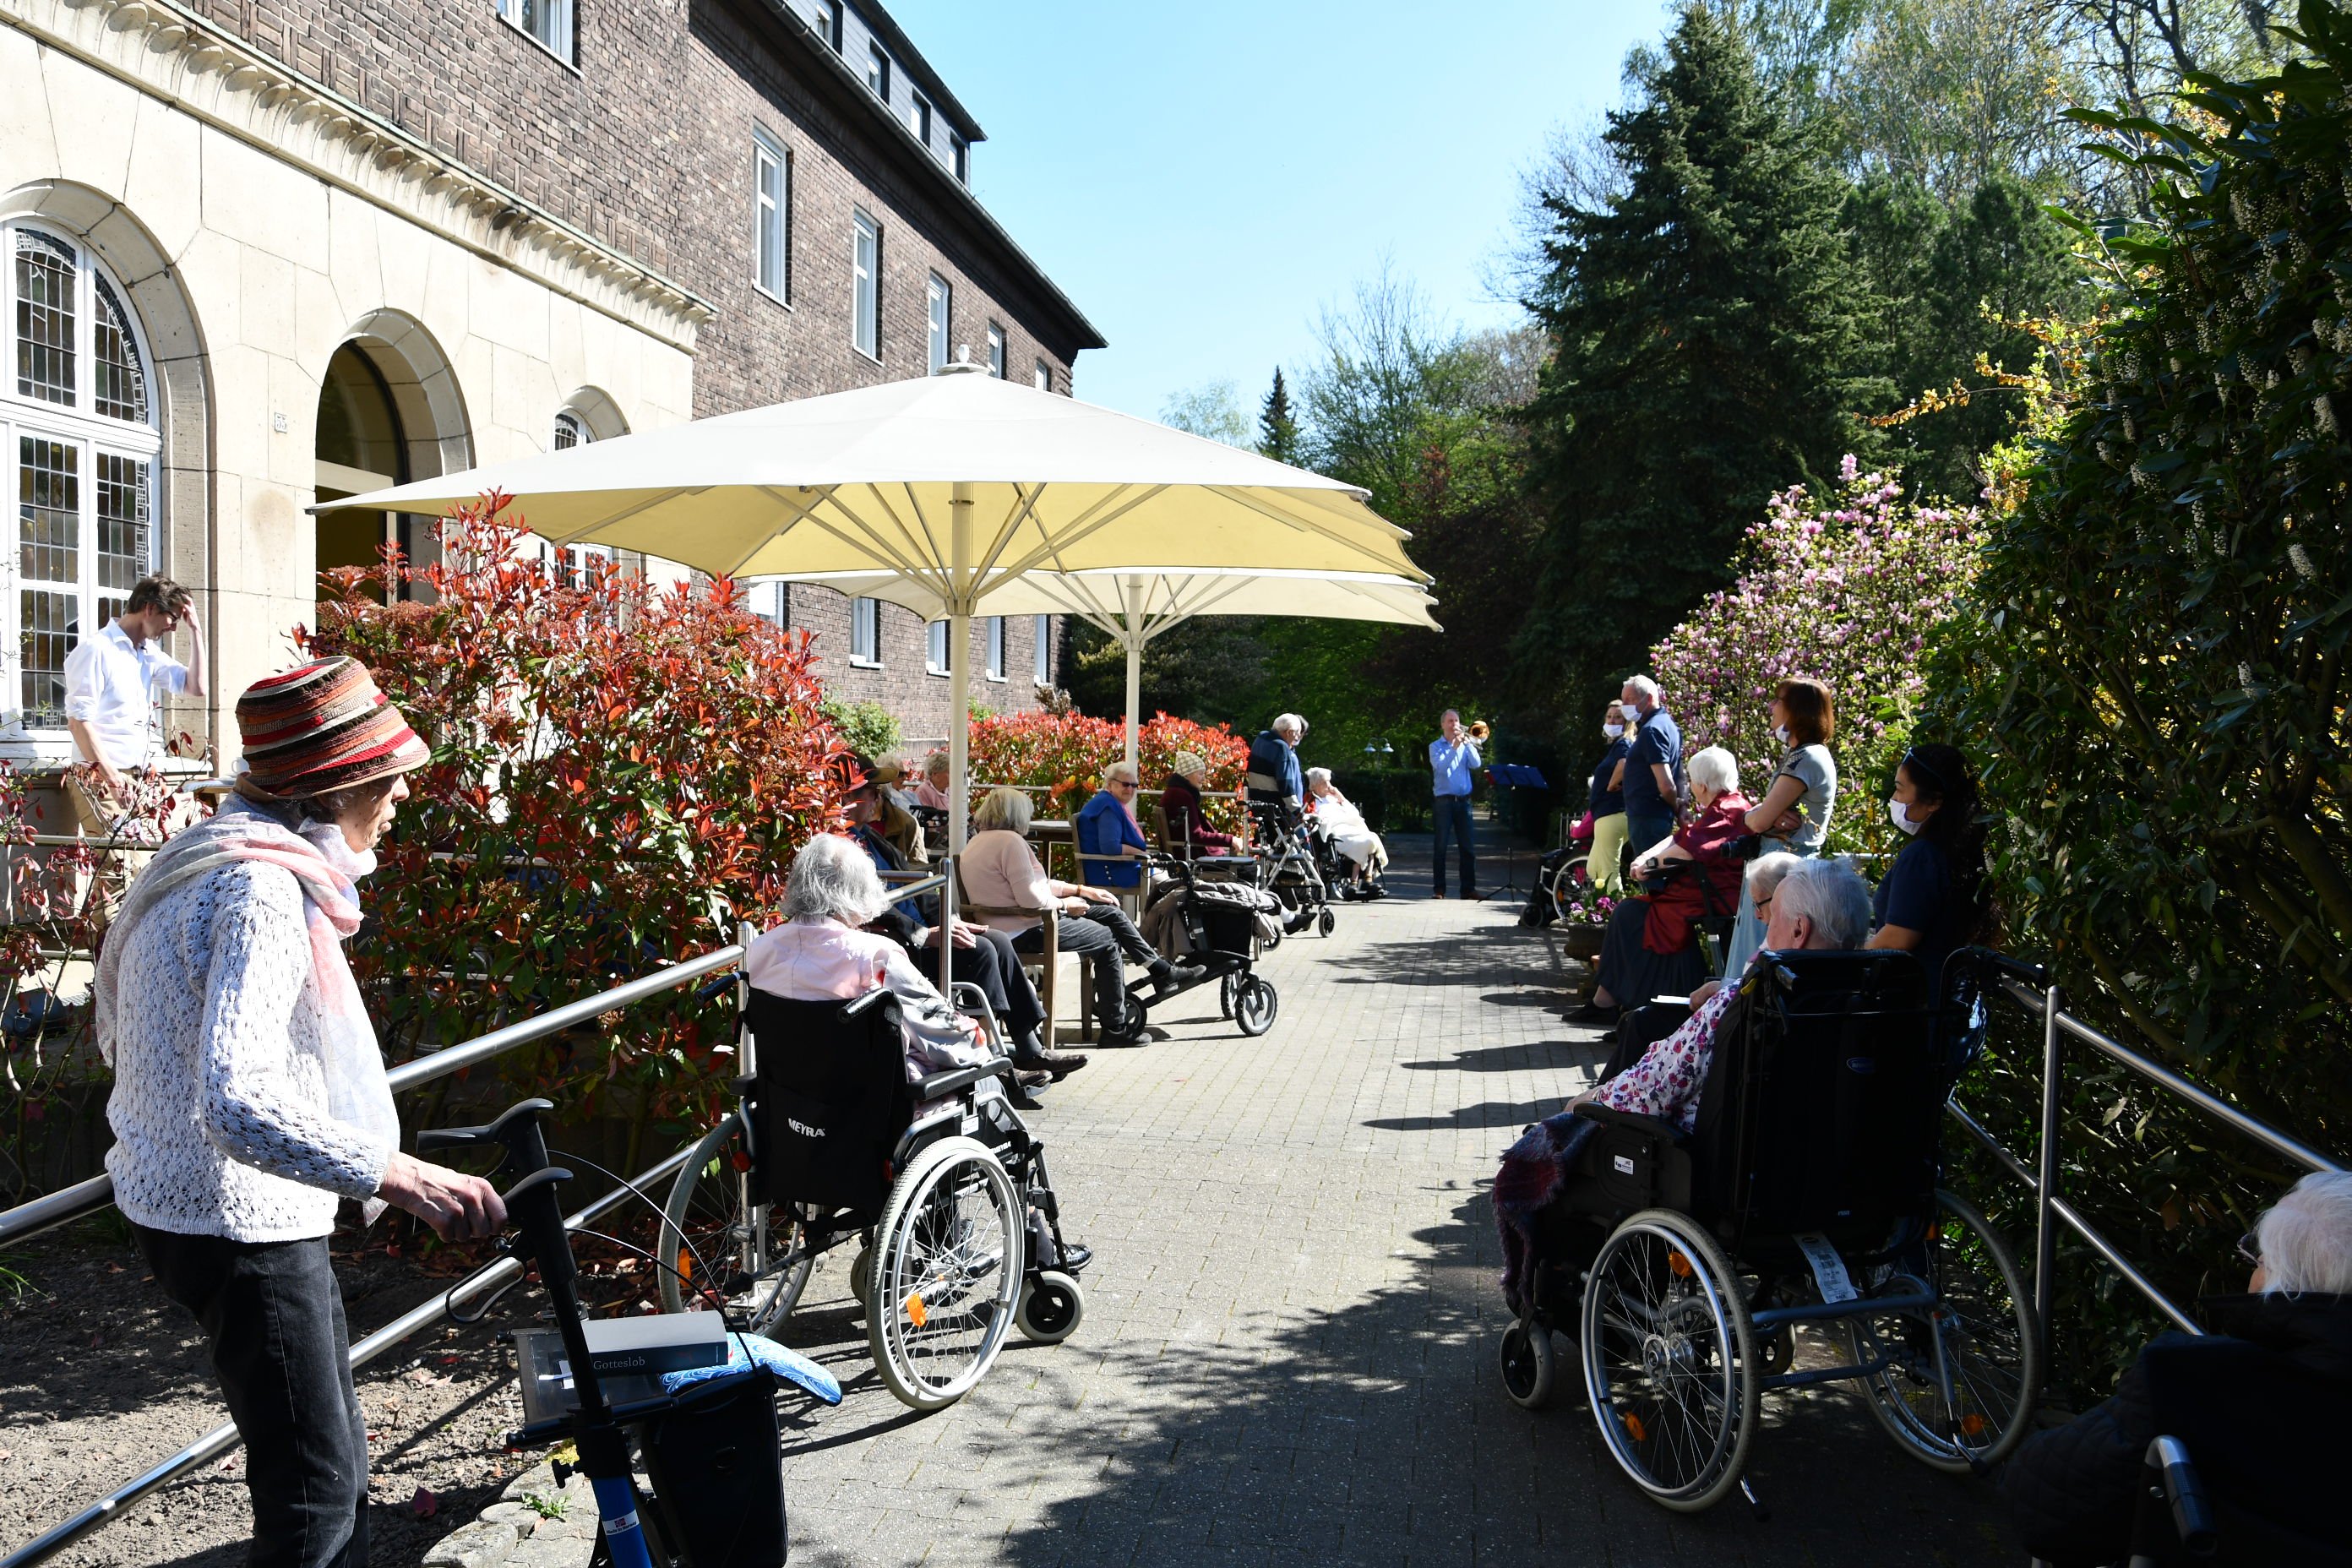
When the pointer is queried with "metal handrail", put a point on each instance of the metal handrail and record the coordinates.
(2050, 1208)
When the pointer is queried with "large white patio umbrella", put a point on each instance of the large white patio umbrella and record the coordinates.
(953, 486)
(1133, 607)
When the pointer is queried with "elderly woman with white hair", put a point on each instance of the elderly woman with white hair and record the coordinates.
(822, 953)
(1652, 947)
(1185, 829)
(1110, 841)
(1000, 870)
(1349, 833)
(2260, 1405)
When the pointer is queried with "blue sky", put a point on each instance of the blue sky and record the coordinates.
(1201, 178)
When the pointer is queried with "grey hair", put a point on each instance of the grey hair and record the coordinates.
(1715, 768)
(1127, 771)
(1291, 721)
(938, 764)
(1643, 687)
(1006, 810)
(1765, 872)
(2306, 1238)
(1832, 894)
(1187, 763)
(833, 879)
(1319, 775)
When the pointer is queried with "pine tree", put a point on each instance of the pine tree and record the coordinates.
(1277, 429)
(1708, 347)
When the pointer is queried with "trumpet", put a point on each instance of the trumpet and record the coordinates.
(1478, 731)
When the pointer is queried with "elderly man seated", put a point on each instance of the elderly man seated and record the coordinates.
(2260, 1405)
(1819, 904)
(1108, 833)
(823, 951)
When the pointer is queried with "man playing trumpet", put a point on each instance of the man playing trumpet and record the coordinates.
(1454, 764)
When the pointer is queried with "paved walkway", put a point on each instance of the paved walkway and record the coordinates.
(1288, 1349)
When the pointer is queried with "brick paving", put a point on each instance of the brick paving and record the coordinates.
(1288, 1349)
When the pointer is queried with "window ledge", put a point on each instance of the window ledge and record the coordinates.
(935, 669)
(537, 43)
(861, 354)
(769, 295)
(858, 663)
(999, 679)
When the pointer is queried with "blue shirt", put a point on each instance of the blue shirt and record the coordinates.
(1605, 801)
(1450, 765)
(1657, 740)
(1272, 755)
(1103, 826)
(1917, 894)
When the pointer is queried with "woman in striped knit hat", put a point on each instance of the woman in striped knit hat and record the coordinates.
(249, 1094)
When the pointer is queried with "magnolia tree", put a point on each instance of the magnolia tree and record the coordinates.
(1844, 592)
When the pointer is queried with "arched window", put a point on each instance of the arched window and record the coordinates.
(575, 565)
(78, 423)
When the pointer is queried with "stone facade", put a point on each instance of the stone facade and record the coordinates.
(502, 234)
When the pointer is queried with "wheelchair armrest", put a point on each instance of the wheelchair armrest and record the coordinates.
(1610, 1116)
(954, 1078)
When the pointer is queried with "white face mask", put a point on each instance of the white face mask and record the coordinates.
(1895, 815)
(1612, 730)
(1632, 711)
(1780, 733)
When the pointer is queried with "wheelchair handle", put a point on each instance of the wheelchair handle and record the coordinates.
(2184, 1490)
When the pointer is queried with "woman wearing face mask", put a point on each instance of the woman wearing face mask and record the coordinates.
(1932, 899)
(1606, 865)
(1794, 815)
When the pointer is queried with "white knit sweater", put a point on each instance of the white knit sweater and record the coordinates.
(219, 1107)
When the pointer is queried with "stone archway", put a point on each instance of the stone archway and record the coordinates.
(390, 411)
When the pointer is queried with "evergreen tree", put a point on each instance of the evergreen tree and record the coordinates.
(1278, 428)
(1708, 326)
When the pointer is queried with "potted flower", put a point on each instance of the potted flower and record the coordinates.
(1584, 911)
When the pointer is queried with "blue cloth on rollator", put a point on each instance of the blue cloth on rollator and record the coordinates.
(787, 1364)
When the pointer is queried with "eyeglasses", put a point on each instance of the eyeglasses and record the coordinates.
(1121, 783)
(1763, 904)
(2250, 1247)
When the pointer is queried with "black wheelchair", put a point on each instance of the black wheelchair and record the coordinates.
(942, 1184)
(1808, 1197)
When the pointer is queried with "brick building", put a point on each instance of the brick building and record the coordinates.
(261, 253)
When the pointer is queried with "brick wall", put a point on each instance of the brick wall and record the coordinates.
(647, 146)
(902, 683)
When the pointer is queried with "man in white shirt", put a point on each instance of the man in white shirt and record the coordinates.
(111, 681)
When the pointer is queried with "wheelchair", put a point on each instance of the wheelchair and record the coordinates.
(944, 1186)
(1807, 1196)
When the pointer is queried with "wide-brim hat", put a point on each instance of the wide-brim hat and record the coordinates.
(322, 726)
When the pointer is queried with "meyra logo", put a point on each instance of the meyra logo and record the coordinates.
(803, 1128)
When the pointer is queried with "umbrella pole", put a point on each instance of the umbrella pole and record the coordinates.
(959, 714)
(1134, 641)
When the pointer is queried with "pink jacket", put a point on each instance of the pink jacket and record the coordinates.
(822, 960)
(999, 869)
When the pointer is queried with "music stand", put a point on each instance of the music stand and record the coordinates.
(1512, 775)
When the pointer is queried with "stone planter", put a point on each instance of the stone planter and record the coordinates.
(1582, 940)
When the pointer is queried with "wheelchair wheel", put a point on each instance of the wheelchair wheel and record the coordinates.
(1255, 1002)
(861, 1272)
(1570, 879)
(946, 1273)
(1530, 1364)
(1326, 923)
(711, 1226)
(1052, 1307)
(1669, 1359)
(1961, 1394)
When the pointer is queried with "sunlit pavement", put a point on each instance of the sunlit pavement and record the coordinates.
(1288, 1348)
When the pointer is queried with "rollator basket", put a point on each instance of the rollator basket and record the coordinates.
(717, 1464)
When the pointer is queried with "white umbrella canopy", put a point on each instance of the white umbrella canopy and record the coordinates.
(1135, 606)
(952, 485)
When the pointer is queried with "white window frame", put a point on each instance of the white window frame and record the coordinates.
(864, 285)
(1041, 650)
(91, 437)
(866, 633)
(878, 71)
(996, 660)
(768, 600)
(960, 158)
(772, 226)
(996, 350)
(555, 29)
(1044, 377)
(828, 24)
(570, 431)
(939, 306)
(920, 110)
(935, 648)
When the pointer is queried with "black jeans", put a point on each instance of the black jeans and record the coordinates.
(1450, 815)
(991, 964)
(1105, 934)
(273, 1320)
